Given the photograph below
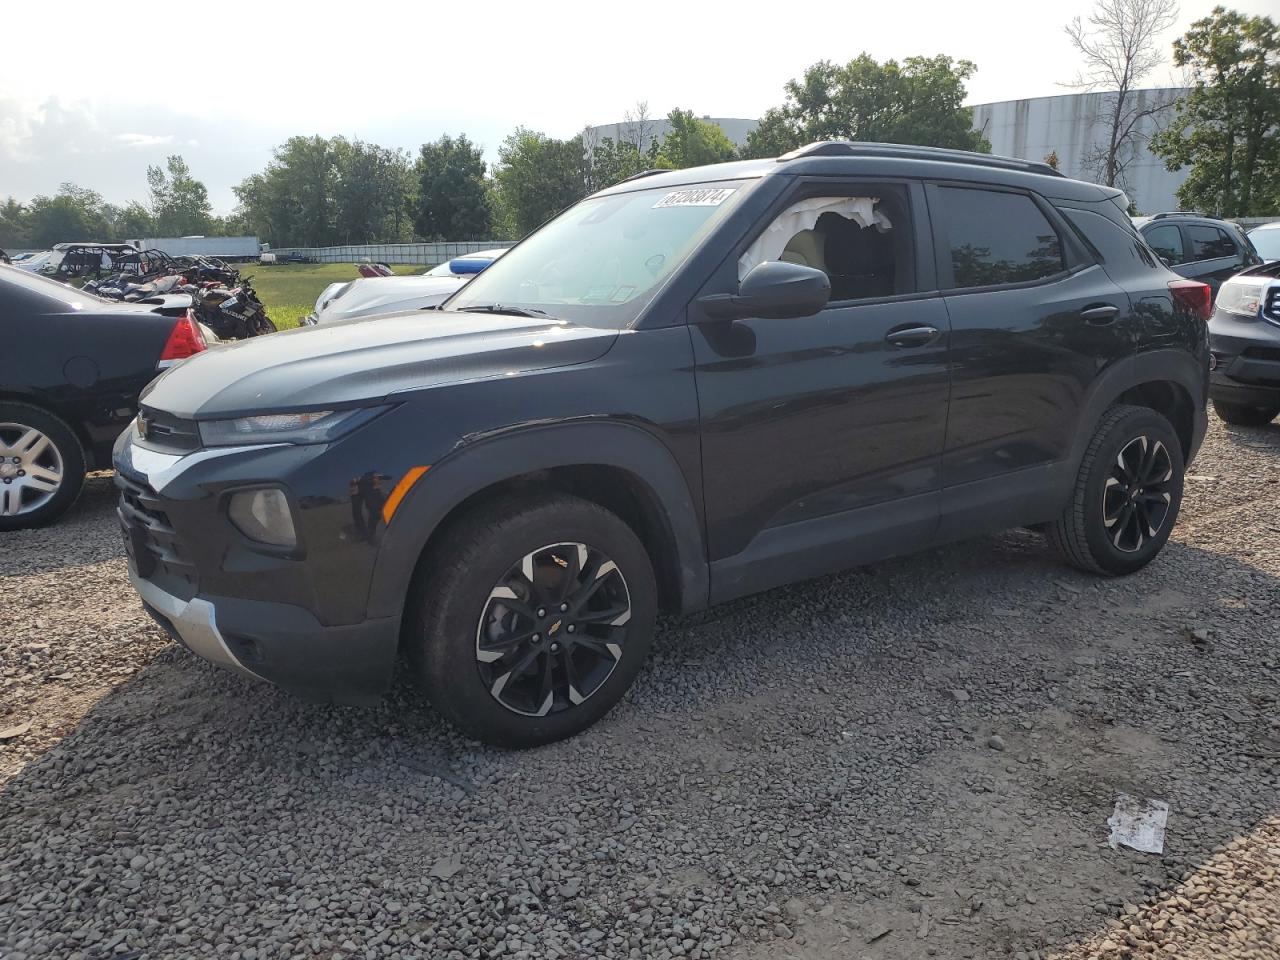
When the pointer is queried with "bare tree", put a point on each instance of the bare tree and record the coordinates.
(637, 126)
(1120, 44)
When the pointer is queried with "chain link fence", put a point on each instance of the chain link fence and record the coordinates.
(426, 254)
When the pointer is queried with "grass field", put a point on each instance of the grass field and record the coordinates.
(289, 290)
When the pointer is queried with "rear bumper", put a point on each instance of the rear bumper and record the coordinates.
(280, 643)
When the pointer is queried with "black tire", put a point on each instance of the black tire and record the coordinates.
(261, 326)
(1244, 415)
(1106, 528)
(36, 508)
(455, 606)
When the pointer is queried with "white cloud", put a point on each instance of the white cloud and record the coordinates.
(144, 139)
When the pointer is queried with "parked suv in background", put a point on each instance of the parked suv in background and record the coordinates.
(689, 387)
(1199, 248)
(1244, 337)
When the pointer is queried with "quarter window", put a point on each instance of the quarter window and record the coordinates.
(1166, 241)
(1209, 243)
(999, 238)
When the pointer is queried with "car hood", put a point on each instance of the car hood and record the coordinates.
(367, 360)
(368, 296)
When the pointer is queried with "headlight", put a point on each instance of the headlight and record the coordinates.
(311, 426)
(263, 515)
(1242, 295)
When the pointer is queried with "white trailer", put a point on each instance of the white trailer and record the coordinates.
(225, 248)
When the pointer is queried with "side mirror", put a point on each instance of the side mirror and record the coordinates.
(773, 290)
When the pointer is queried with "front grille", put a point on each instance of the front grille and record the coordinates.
(163, 431)
(1271, 305)
(151, 541)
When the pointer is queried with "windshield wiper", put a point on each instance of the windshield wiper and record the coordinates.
(499, 308)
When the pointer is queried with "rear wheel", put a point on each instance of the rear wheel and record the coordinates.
(261, 326)
(42, 466)
(1245, 415)
(1126, 496)
(531, 619)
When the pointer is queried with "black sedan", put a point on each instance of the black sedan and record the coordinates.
(70, 374)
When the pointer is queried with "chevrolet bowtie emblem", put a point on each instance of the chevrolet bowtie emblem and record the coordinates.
(554, 627)
(143, 426)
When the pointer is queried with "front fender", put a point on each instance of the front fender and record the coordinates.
(480, 464)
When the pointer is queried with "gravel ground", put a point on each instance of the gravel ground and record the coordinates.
(912, 759)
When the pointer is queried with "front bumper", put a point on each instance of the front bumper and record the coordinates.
(279, 643)
(1246, 354)
(298, 620)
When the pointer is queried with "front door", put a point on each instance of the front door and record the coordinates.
(822, 436)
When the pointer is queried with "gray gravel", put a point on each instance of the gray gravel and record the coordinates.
(913, 759)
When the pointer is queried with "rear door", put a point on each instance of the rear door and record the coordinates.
(1034, 319)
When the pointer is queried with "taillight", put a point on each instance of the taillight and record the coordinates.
(184, 340)
(1193, 296)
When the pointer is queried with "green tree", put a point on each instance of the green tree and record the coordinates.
(452, 203)
(919, 101)
(369, 188)
(74, 213)
(612, 161)
(1228, 127)
(291, 202)
(692, 142)
(536, 177)
(13, 225)
(179, 202)
(133, 221)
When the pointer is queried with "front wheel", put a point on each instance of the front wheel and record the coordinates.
(532, 618)
(1127, 494)
(1246, 415)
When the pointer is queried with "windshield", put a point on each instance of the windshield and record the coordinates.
(602, 261)
(1267, 243)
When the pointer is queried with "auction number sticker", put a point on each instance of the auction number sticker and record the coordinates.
(703, 197)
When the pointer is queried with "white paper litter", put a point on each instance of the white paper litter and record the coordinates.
(1138, 824)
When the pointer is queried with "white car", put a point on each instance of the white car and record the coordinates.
(1266, 240)
(368, 296)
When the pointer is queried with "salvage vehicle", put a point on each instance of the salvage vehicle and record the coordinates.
(1199, 247)
(1244, 340)
(691, 386)
(369, 296)
(1266, 240)
(93, 259)
(70, 375)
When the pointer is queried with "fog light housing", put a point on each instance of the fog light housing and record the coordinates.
(263, 515)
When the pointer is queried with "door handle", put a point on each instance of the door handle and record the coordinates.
(1100, 314)
(911, 335)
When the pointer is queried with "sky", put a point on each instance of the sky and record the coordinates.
(225, 83)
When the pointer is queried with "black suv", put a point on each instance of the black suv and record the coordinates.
(1244, 336)
(689, 387)
(1199, 247)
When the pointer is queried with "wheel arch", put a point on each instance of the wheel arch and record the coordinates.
(1172, 382)
(622, 467)
(41, 402)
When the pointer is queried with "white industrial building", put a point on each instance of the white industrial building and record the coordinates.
(1073, 126)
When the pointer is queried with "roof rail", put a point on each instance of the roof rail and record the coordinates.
(1183, 213)
(643, 173)
(906, 151)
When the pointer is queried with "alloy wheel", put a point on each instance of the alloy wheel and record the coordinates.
(31, 469)
(1137, 497)
(553, 629)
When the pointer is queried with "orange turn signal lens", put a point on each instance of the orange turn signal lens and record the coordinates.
(412, 476)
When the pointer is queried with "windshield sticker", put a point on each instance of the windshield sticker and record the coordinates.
(622, 294)
(704, 197)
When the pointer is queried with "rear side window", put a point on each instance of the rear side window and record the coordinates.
(998, 238)
(1209, 243)
(1167, 242)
